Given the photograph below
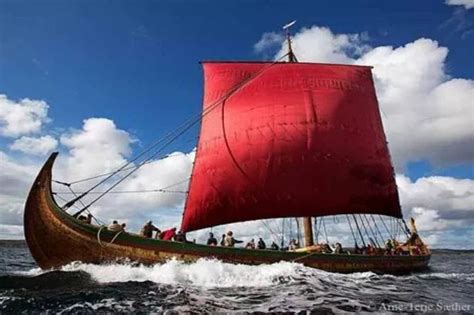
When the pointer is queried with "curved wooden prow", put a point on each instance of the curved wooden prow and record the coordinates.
(36, 219)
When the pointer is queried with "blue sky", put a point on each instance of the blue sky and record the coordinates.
(137, 63)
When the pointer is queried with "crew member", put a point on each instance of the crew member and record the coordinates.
(211, 241)
(250, 245)
(168, 235)
(261, 244)
(148, 229)
(114, 227)
(230, 241)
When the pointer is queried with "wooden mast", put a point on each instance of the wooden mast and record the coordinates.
(291, 55)
(307, 225)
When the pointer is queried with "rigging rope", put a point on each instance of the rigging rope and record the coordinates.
(403, 228)
(325, 232)
(97, 220)
(298, 231)
(358, 229)
(272, 233)
(388, 231)
(129, 192)
(319, 229)
(365, 229)
(352, 230)
(372, 231)
(70, 203)
(377, 227)
(283, 233)
(105, 174)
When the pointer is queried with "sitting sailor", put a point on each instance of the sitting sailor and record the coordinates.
(250, 245)
(180, 237)
(115, 227)
(211, 241)
(87, 219)
(261, 244)
(338, 248)
(293, 245)
(274, 246)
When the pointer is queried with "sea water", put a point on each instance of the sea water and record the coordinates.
(214, 286)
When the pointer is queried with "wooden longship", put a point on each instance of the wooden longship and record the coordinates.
(277, 140)
(56, 238)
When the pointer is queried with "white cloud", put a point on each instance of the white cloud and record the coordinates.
(426, 114)
(97, 148)
(22, 117)
(438, 192)
(100, 147)
(16, 178)
(11, 231)
(438, 203)
(468, 4)
(268, 40)
(35, 146)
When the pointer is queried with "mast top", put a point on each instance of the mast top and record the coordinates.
(291, 54)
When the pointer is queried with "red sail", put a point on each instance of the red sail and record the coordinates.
(297, 140)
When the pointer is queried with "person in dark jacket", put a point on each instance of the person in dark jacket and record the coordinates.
(261, 244)
(274, 246)
(211, 241)
(148, 229)
(180, 237)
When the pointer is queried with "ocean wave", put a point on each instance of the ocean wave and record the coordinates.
(453, 275)
(211, 273)
(203, 273)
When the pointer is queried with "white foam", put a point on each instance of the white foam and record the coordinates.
(31, 273)
(442, 275)
(214, 273)
(204, 272)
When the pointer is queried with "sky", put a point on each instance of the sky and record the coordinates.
(100, 80)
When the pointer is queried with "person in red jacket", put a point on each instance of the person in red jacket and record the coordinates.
(168, 235)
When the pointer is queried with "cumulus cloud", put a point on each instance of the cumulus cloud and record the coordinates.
(268, 42)
(468, 4)
(97, 148)
(35, 146)
(21, 117)
(15, 180)
(437, 192)
(426, 113)
(439, 204)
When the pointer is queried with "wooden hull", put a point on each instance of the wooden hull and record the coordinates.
(55, 239)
